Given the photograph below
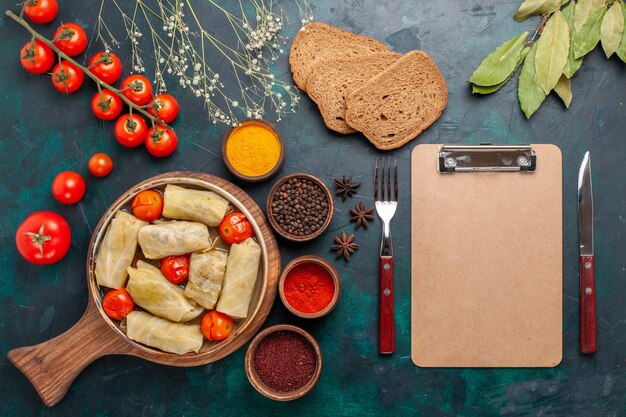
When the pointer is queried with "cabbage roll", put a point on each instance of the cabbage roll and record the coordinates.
(173, 238)
(162, 334)
(117, 250)
(151, 291)
(187, 204)
(241, 273)
(206, 273)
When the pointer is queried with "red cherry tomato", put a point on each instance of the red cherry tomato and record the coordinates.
(216, 326)
(106, 66)
(37, 57)
(175, 268)
(235, 228)
(41, 11)
(68, 187)
(161, 142)
(106, 105)
(130, 131)
(100, 165)
(117, 303)
(164, 107)
(67, 77)
(137, 89)
(43, 238)
(70, 39)
(147, 205)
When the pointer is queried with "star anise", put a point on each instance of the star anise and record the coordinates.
(361, 215)
(344, 246)
(346, 187)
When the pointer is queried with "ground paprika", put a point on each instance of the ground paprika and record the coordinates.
(309, 288)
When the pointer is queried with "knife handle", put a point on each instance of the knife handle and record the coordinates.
(386, 326)
(587, 306)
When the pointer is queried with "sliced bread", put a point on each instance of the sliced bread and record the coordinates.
(399, 103)
(318, 41)
(331, 80)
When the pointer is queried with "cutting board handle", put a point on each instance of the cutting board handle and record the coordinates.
(51, 366)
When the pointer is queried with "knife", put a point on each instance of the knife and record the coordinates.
(585, 236)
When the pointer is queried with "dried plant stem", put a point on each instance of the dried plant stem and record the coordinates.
(539, 29)
(99, 83)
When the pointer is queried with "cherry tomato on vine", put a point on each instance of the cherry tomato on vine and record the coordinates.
(41, 11)
(117, 303)
(100, 165)
(43, 238)
(147, 205)
(161, 141)
(137, 89)
(68, 187)
(130, 131)
(67, 77)
(106, 105)
(37, 57)
(164, 107)
(216, 326)
(106, 66)
(235, 228)
(175, 268)
(71, 39)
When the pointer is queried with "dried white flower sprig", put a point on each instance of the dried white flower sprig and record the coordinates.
(187, 52)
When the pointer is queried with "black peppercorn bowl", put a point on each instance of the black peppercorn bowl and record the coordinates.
(280, 218)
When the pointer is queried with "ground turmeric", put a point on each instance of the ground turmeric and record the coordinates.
(253, 148)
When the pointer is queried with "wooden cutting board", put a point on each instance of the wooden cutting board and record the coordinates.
(486, 269)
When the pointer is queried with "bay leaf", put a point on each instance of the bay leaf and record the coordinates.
(478, 89)
(500, 63)
(564, 89)
(612, 29)
(621, 50)
(536, 8)
(572, 64)
(584, 8)
(589, 34)
(552, 51)
(529, 92)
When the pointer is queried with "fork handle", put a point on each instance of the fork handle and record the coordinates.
(386, 326)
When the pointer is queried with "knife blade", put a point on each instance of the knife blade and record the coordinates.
(587, 279)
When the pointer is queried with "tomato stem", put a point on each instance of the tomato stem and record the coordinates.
(39, 238)
(99, 83)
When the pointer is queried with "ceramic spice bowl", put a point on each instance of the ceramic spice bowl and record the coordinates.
(299, 207)
(253, 151)
(309, 287)
(283, 362)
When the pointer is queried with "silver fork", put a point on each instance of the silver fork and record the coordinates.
(386, 205)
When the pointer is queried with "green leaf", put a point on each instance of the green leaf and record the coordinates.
(530, 93)
(589, 35)
(584, 8)
(564, 89)
(612, 29)
(536, 8)
(478, 89)
(500, 63)
(552, 51)
(572, 64)
(621, 50)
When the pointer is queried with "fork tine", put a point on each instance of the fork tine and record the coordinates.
(395, 179)
(389, 179)
(382, 183)
(376, 181)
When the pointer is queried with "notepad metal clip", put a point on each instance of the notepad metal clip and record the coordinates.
(487, 158)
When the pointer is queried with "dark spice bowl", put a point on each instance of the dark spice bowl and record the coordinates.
(280, 355)
(248, 178)
(279, 197)
(322, 263)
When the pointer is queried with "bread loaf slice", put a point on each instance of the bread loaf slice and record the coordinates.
(332, 79)
(398, 104)
(318, 41)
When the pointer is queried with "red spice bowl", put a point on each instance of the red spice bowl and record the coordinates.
(283, 362)
(309, 287)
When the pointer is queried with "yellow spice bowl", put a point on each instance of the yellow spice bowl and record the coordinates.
(253, 151)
